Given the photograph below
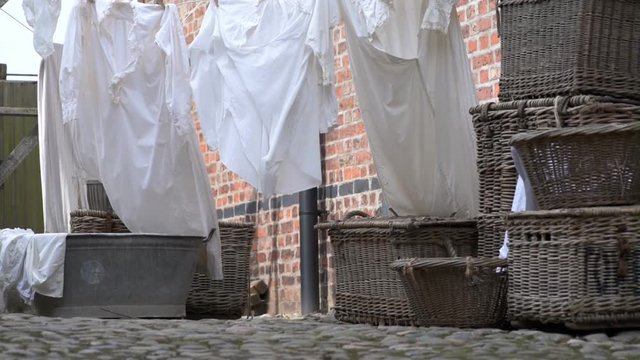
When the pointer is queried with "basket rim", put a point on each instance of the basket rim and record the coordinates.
(586, 130)
(400, 222)
(570, 101)
(450, 262)
(576, 212)
(91, 212)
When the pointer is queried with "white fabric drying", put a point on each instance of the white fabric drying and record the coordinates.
(262, 75)
(62, 187)
(523, 198)
(127, 99)
(414, 87)
(42, 16)
(44, 266)
(31, 263)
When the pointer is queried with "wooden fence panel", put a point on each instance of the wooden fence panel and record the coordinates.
(21, 194)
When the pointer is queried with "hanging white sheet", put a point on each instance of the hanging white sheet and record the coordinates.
(42, 16)
(127, 100)
(414, 86)
(63, 189)
(262, 75)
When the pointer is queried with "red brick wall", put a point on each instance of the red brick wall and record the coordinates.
(349, 175)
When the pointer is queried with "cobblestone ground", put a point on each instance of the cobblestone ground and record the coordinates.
(313, 337)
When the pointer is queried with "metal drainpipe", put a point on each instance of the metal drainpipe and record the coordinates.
(309, 278)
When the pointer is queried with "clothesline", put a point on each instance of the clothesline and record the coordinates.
(16, 20)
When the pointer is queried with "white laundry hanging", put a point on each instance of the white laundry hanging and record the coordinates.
(42, 16)
(262, 75)
(63, 189)
(127, 100)
(414, 86)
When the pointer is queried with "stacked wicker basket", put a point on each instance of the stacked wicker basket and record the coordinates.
(414, 271)
(207, 298)
(570, 107)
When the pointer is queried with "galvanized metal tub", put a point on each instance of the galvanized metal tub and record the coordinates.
(124, 276)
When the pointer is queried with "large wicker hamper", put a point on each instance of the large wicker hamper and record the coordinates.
(576, 267)
(495, 125)
(569, 47)
(367, 290)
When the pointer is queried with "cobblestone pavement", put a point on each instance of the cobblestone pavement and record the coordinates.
(313, 337)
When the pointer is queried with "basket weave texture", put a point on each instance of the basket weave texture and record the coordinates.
(490, 234)
(367, 290)
(96, 221)
(577, 267)
(225, 298)
(495, 125)
(456, 292)
(596, 165)
(569, 47)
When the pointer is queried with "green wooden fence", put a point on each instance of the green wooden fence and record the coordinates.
(21, 194)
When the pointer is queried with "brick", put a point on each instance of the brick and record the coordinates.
(484, 42)
(485, 24)
(472, 46)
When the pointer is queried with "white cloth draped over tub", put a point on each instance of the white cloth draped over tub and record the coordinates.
(126, 97)
(30, 263)
(63, 190)
(42, 16)
(414, 86)
(262, 75)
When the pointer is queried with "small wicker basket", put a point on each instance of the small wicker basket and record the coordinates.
(456, 292)
(367, 290)
(597, 165)
(225, 298)
(576, 267)
(96, 221)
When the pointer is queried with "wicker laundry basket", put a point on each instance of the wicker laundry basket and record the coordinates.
(96, 221)
(569, 47)
(577, 267)
(458, 292)
(225, 298)
(597, 165)
(496, 124)
(367, 290)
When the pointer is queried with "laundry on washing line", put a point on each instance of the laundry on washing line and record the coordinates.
(414, 87)
(262, 76)
(126, 97)
(263, 82)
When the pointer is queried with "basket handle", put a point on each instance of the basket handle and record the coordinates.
(108, 224)
(354, 213)
(451, 251)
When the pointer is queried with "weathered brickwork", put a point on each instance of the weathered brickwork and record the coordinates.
(349, 174)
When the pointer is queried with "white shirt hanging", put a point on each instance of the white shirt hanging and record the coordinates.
(415, 87)
(42, 16)
(63, 189)
(263, 84)
(126, 96)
